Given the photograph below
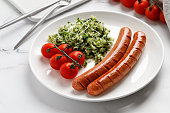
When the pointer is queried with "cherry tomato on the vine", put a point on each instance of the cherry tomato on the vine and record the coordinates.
(68, 70)
(67, 48)
(140, 6)
(48, 50)
(152, 12)
(77, 56)
(161, 17)
(57, 60)
(128, 3)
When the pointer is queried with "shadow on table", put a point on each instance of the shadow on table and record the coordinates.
(113, 2)
(60, 103)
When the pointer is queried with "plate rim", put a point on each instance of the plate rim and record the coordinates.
(97, 100)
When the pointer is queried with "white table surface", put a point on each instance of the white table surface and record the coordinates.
(20, 92)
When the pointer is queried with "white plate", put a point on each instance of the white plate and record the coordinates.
(143, 73)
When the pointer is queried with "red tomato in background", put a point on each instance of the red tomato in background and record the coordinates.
(153, 12)
(57, 60)
(67, 49)
(75, 56)
(68, 70)
(161, 17)
(128, 3)
(48, 50)
(140, 6)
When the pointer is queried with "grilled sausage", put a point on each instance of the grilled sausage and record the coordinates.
(120, 70)
(117, 52)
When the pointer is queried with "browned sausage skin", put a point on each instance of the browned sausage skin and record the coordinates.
(120, 70)
(117, 52)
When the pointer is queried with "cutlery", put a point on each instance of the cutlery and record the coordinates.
(31, 13)
(61, 4)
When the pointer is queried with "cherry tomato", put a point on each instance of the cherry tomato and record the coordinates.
(152, 12)
(57, 60)
(128, 3)
(161, 17)
(77, 56)
(140, 6)
(67, 49)
(48, 50)
(68, 70)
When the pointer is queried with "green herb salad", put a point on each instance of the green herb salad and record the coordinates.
(89, 36)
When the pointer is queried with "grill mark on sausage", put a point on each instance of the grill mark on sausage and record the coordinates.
(127, 65)
(128, 36)
(141, 42)
(85, 82)
(106, 67)
(122, 68)
(117, 57)
(99, 72)
(100, 84)
(121, 53)
(138, 49)
(92, 78)
(88, 79)
(126, 45)
(114, 60)
(110, 79)
(114, 74)
(143, 36)
(82, 85)
(133, 57)
(118, 72)
(110, 64)
(97, 75)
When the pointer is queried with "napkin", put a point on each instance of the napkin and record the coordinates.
(166, 8)
(73, 4)
(24, 6)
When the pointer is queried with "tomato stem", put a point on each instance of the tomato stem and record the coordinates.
(80, 55)
(150, 7)
(48, 50)
(159, 6)
(69, 57)
(139, 1)
(58, 57)
(68, 46)
(156, 3)
(72, 66)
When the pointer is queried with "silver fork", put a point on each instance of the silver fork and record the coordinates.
(61, 4)
(31, 13)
